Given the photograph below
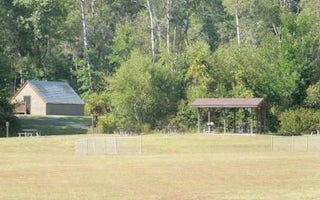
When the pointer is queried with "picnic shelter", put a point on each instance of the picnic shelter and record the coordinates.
(255, 106)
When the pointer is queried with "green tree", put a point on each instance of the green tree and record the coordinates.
(6, 109)
(123, 43)
(313, 95)
(198, 73)
(130, 91)
(217, 24)
(42, 21)
(166, 92)
(97, 103)
(144, 93)
(299, 49)
(299, 121)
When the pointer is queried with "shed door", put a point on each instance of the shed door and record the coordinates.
(27, 100)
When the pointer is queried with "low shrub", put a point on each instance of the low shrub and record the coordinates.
(299, 121)
(108, 124)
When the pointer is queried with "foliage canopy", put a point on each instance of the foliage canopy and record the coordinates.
(146, 60)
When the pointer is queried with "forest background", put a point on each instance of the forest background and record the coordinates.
(139, 63)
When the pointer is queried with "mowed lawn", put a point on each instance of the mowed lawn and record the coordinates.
(171, 167)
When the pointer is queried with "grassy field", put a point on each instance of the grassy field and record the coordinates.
(189, 167)
(56, 125)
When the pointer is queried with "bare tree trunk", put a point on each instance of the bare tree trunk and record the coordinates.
(93, 12)
(14, 84)
(84, 25)
(275, 29)
(151, 31)
(22, 80)
(187, 2)
(21, 75)
(168, 24)
(85, 40)
(159, 35)
(174, 40)
(238, 25)
(282, 3)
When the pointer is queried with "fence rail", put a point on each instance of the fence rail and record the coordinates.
(295, 143)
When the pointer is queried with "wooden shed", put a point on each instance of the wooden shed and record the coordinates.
(47, 98)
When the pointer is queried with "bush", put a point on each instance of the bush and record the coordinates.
(6, 115)
(108, 123)
(13, 128)
(113, 124)
(313, 96)
(96, 103)
(185, 119)
(299, 121)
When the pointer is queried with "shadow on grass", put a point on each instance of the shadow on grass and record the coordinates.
(56, 125)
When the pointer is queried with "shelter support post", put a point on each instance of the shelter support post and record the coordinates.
(208, 125)
(251, 121)
(234, 121)
(261, 117)
(199, 125)
(224, 121)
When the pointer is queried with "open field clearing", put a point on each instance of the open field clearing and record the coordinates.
(171, 167)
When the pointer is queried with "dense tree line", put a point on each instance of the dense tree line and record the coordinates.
(141, 62)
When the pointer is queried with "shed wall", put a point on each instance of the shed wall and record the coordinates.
(65, 109)
(38, 107)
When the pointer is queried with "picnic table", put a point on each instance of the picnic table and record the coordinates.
(29, 132)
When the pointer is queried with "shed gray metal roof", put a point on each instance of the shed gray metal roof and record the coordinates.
(228, 102)
(56, 92)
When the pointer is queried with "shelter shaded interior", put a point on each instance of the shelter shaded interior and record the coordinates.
(256, 106)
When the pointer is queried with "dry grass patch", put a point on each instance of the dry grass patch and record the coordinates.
(177, 167)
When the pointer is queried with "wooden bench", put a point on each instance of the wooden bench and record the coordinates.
(29, 132)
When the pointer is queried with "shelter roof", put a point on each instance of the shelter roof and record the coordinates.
(54, 92)
(228, 102)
